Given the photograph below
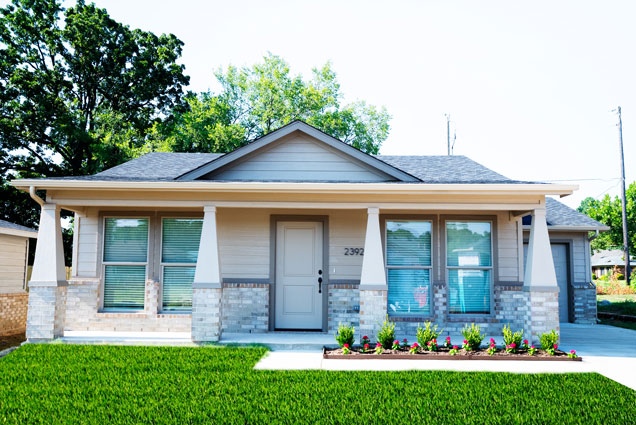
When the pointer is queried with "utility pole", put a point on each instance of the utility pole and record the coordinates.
(448, 133)
(624, 204)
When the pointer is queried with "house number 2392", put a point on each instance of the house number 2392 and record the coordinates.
(354, 251)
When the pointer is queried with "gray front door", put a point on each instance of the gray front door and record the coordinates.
(299, 265)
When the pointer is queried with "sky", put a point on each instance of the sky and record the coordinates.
(530, 87)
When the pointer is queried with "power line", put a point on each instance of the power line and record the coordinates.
(582, 180)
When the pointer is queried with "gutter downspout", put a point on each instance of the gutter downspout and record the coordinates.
(34, 195)
(594, 236)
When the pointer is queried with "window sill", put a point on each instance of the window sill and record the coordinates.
(410, 318)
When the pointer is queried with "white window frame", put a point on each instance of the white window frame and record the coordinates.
(122, 263)
(430, 268)
(491, 268)
(163, 265)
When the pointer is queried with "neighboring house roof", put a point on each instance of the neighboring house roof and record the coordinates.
(8, 228)
(610, 258)
(559, 215)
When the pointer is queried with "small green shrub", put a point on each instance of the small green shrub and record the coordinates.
(511, 338)
(472, 335)
(549, 340)
(620, 276)
(386, 335)
(345, 334)
(427, 333)
(604, 278)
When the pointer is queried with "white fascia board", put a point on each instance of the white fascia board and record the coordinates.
(300, 187)
(16, 232)
(563, 228)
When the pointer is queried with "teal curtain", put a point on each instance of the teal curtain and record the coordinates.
(177, 288)
(181, 238)
(180, 244)
(408, 257)
(126, 240)
(469, 258)
(124, 287)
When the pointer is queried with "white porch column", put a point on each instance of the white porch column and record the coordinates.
(47, 287)
(207, 288)
(540, 280)
(373, 286)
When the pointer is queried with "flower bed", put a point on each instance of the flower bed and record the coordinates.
(427, 347)
(355, 353)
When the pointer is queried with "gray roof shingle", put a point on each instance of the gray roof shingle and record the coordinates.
(8, 225)
(610, 257)
(559, 214)
(156, 166)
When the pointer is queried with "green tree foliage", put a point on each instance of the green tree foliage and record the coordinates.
(608, 211)
(78, 93)
(254, 101)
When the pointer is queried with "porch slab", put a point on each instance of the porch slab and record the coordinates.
(127, 338)
(282, 341)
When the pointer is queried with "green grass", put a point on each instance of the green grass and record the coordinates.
(112, 385)
(621, 304)
(618, 323)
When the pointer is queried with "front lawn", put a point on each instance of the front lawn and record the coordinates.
(110, 384)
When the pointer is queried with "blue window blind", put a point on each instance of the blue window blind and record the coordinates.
(180, 239)
(124, 287)
(177, 288)
(469, 266)
(180, 245)
(408, 257)
(125, 241)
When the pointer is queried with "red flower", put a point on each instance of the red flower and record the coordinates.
(435, 341)
(365, 337)
(448, 338)
(532, 346)
(378, 345)
(465, 342)
(415, 345)
(525, 341)
(404, 339)
(555, 346)
(492, 340)
(366, 346)
(396, 342)
(513, 345)
(455, 347)
(573, 352)
(346, 346)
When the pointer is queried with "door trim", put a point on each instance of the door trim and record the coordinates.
(274, 219)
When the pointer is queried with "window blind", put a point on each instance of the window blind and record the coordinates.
(177, 287)
(181, 240)
(469, 263)
(124, 287)
(126, 240)
(408, 257)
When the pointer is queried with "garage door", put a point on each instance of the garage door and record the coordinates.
(560, 258)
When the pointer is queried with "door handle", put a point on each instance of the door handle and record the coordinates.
(320, 285)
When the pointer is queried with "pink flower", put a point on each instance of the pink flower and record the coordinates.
(492, 345)
(434, 341)
(492, 340)
(448, 338)
(532, 346)
(555, 346)
(455, 347)
(513, 345)
(573, 352)
(415, 345)
(465, 342)
(396, 342)
(378, 345)
(525, 341)
(404, 340)
(346, 346)
(366, 346)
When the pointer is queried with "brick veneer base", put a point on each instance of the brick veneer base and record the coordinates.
(245, 308)
(13, 313)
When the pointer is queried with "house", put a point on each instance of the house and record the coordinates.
(300, 231)
(605, 260)
(14, 250)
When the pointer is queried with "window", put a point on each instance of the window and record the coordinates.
(408, 263)
(179, 251)
(469, 266)
(125, 261)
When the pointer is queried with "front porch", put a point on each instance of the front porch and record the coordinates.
(236, 281)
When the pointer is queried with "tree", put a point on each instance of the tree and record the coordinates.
(608, 211)
(254, 101)
(78, 93)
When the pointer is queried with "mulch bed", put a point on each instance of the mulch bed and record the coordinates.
(443, 354)
(616, 316)
(14, 340)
